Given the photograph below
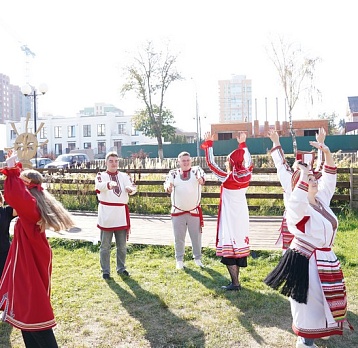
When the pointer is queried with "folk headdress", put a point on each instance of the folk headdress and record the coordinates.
(240, 173)
(308, 158)
(236, 158)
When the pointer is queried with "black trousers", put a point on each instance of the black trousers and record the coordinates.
(39, 339)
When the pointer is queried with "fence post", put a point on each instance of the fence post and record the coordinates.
(353, 183)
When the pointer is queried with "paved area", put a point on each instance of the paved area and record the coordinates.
(157, 230)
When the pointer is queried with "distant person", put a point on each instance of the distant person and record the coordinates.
(232, 239)
(309, 272)
(26, 280)
(284, 173)
(7, 213)
(184, 186)
(112, 188)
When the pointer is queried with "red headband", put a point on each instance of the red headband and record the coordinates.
(296, 176)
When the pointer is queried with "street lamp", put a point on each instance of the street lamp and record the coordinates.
(31, 92)
(198, 135)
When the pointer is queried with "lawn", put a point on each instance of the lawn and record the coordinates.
(159, 306)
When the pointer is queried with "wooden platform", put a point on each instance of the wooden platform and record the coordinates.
(157, 230)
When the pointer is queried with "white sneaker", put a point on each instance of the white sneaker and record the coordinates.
(199, 263)
(300, 344)
(180, 265)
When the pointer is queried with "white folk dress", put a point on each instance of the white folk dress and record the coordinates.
(315, 229)
(232, 238)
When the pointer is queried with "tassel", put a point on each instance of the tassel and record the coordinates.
(290, 276)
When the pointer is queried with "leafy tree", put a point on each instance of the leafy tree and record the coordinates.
(177, 139)
(149, 77)
(296, 72)
(332, 128)
(143, 122)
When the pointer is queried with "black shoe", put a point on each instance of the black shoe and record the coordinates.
(106, 276)
(231, 287)
(124, 273)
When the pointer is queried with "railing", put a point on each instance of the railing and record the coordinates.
(264, 186)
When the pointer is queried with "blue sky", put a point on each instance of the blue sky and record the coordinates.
(81, 47)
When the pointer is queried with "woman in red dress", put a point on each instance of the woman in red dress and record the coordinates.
(26, 280)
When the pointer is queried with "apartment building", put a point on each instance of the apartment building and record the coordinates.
(352, 123)
(101, 128)
(235, 100)
(13, 104)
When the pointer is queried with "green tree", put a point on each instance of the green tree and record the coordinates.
(177, 139)
(332, 127)
(296, 73)
(143, 122)
(149, 77)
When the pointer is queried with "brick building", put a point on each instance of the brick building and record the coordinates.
(226, 131)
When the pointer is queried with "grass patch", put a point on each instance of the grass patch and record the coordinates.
(159, 306)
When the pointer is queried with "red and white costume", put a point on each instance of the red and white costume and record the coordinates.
(310, 270)
(186, 194)
(113, 212)
(284, 173)
(26, 281)
(232, 239)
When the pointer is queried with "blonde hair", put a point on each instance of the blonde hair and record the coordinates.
(52, 212)
(111, 154)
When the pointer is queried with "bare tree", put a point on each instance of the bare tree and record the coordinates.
(149, 77)
(296, 73)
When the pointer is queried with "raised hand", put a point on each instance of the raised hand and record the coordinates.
(320, 146)
(321, 135)
(208, 136)
(273, 135)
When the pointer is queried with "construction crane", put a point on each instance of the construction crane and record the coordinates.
(28, 53)
(23, 47)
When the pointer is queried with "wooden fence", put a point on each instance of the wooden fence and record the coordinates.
(264, 186)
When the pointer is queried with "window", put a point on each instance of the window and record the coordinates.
(310, 132)
(121, 128)
(86, 145)
(58, 149)
(58, 133)
(134, 132)
(44, 150)
(101, 130)
(12, 134)
(71, 131)
(101, 147)
(87, 130)
(224, 136)
(117, 146)
(71, 146)
(43, 133)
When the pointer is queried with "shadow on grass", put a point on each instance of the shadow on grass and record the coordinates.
(255, 308)
(266, 310)
(162, 327)
(5, 332)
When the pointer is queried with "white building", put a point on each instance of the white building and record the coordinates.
(235, 100)
(101, 128)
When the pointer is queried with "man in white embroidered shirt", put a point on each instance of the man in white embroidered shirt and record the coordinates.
(184, 185)
(112, 188)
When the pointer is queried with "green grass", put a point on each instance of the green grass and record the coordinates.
(159, 306)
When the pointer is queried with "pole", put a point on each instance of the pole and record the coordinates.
(35, 126)
(197, 126)
(266, 107)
